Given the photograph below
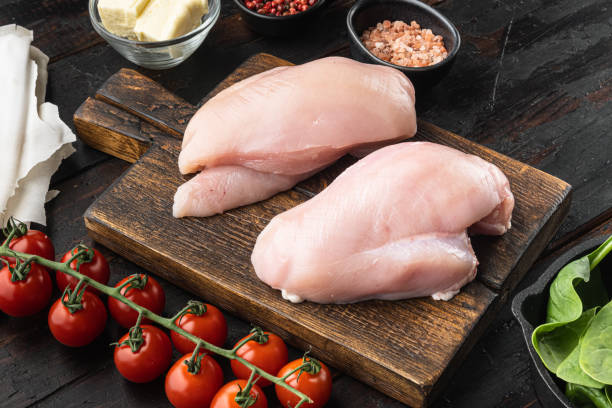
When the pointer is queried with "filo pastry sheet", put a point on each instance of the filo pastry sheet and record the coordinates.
(34, 138)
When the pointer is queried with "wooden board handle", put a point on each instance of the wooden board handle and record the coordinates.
(130, 111)
(145, 98)
(114, 131)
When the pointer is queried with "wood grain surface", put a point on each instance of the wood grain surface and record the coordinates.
(146, 99)
(532, 81)
(133, 217)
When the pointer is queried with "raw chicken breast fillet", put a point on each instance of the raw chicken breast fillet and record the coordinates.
(289, 122)
(392, 226)
(214, 190)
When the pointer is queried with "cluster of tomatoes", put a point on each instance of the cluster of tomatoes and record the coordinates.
(79, 316)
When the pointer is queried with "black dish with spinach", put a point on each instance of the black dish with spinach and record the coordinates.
(566, 317)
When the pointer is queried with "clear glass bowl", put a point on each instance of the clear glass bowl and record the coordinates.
(158, 54)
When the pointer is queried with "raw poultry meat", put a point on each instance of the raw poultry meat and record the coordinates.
(214, 190)
(392, 226)
(281, 126)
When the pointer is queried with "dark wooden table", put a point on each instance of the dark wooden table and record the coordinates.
(533, 80)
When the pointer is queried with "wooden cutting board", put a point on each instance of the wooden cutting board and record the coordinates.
(407, 349)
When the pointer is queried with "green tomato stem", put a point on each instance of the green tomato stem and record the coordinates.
(193, 307)
(243, 342)
(13, 229)
(243, 398)
(20, 271)
(9, 238)
(165, 322)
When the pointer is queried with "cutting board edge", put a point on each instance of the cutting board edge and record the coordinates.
(476, 332)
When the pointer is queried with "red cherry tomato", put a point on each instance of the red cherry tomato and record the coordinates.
(150, 361)
(26, 297)
(210, 326)
(34, 243)
(187, 390)
(317, 386)
(269, 356)
(226, 396)
(81, 327)
(97, 269)
(151, 297)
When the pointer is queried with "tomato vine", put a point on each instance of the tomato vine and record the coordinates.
(16, 229)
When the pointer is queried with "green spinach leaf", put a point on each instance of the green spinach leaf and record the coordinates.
(585, 396)
(554, 342)
(564, 303)
(609, 393)
(558, 337)
(596, 348)
(569, 369)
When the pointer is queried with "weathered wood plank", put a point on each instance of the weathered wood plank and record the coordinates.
(147, 100)
(533, 81)
(61, 27)
(96, 116)
(558, 41)
(566, 89)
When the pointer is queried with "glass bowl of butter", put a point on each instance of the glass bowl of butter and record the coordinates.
(154, 34)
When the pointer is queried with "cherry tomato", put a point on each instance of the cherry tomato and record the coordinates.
(317, 386)
(97, 269)
(81, 327)
(210, 326)
(269, 356)
(34, 243)
(226, 396)
(187, 390)
(28, 296)
(150, 361)
(151, 297)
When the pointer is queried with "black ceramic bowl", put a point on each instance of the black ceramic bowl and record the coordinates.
(529, 308)
(367, 13)
(277, 26)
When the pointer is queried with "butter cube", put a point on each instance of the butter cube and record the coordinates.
(120, 16)
(166, 19)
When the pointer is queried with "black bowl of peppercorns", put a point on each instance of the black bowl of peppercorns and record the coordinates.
(278, 17)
